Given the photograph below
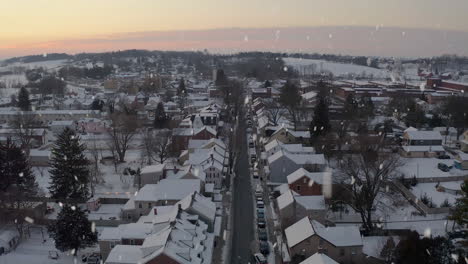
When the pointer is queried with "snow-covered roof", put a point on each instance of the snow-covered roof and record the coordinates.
(298, 158)
(168, 189)
(124, 254)
(309, 95)
(319, 258)
(423, 135)
(299, 231)
(153, 168)
(301, 172)
(311, 202)
(339, 236)
(285, 199)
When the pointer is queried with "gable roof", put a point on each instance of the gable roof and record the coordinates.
(319, 258)
(424, 135)
(301, 172)
(285, 199)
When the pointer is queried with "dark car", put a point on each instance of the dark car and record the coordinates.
(264, 248)
(262, 234)
(443, 167)
(443, 156)
(260, 214)
(261, 224)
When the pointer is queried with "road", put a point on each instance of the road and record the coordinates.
(243, 233)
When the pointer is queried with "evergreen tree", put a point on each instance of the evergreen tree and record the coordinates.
(267, 84)
(459, 213)
(23, 100)
(69, 168)
(72, 230)
(160, 117)
(97, 105)
(320, 124)
(15, 172)
(181, 89)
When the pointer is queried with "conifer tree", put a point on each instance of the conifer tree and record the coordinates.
(160, 116)
(69, 168)
(72, 230)
(23, 100)
(321, 122)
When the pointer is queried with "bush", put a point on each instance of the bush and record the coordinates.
(414, 181)
(427, 201)
(446, 203)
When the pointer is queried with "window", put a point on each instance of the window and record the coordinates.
(149, 205)
(320, 242)
(353, 252)
(132, 242)
(342, 251)
(305, 180)
(298, 187)
(140, 205)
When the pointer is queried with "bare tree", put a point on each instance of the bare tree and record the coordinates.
(123, 129)
(148, 145)
(273, 112)
(94, 171)
(24, 126)
(366, 174)
(162, 145)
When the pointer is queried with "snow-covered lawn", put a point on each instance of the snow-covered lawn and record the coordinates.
(34, 250)
(427, 168)
(437, 197)
(338, 69)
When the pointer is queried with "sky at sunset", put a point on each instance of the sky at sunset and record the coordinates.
(34, 26)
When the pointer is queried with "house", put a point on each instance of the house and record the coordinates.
(306, 183)
(212, 162)
(58, 126)
(150, 174)
(9, 239)
(319, 258)
(165, 192)
(186, 172)
(341, 243)
(181, 136)
(275, 145)
(288, 136)
(293, 207)
(39, 157)
(282, 163)
(464, 142)
(37, 136)
(421, 144)
(461, 161)
(175, 237)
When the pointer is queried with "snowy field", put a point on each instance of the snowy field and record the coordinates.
(34, 250)
(427, 168)
(338, 69)
(437, 197)
(49, 65)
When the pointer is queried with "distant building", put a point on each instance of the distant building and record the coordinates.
(421, 144)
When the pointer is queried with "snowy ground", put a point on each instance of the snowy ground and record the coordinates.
(427, 168)
(338, 69)
(437, 197)
(34, 250)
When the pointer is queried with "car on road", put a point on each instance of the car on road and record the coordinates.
(262, 234)
(261, 224)
(264, 248)
(255, 174)
(260, 214)
(260, 259)
(259, 199)
(444, 167)
(443, 156)
(260, 204)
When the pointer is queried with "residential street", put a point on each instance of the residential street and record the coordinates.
(243, 233)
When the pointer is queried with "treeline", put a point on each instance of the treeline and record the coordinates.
(95, 72)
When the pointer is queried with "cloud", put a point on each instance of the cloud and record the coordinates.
(339, 40)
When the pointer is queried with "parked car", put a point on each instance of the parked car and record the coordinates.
(261, 224)
(259, 258)
(258, 194)
(262, 234)
(443, 156)
(259, 199)
(444, 167)
(53, 254)
(260, 214)
(260, 204)
(262, 210)
(264, 248)
(255, 174)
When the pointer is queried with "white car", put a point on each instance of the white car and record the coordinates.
(259, 258)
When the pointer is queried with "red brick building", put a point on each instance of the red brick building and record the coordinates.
(306, 183)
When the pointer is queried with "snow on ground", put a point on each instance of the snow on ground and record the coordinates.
(427, 168)
(338, 69)
(106, 211)
(51, 64)
(13, 80)
(33, 250)
(430, 190)
(373, 245)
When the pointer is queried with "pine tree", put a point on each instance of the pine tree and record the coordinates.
(460, 213)
(160, 116)
(23, 100)
(320, 124)
(15, 172)
(181, 89)
(291, 100)
(69, 168)
(72, 231)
